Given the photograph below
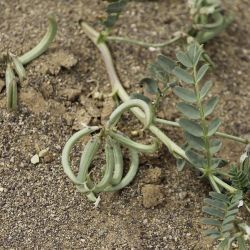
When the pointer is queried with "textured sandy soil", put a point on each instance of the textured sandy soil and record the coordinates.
(40, 208)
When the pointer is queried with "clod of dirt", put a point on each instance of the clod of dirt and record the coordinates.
(152, 195)
(48, 157)
(46, 89)
(90, 106)
(108, 108)
(33, 100)
(2, 84)
(56, 61)
(153, 175)
(82, 119)
(70, 94)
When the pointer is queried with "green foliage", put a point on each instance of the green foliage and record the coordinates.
(114, 10)
(15, 65)
(190, 71)
(240, 176)
(222, 221)
(208, 19)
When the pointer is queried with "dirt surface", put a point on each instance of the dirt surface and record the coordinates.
(40, 207)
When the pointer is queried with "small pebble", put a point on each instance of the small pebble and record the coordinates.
(35, 159)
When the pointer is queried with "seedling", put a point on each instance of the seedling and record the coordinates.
(200, 151)
(16, 64)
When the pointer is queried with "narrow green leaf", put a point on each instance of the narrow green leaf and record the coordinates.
(188, 110)
(183, 75)
(228, 219)
(210, 106)
(150, 85)
(241, 243)
(213, 126)
(194, 52)
(185, 94)
(110, 21)
(166, 63)
(232, 212)
(195, 142)
(180, 164)
(213, 212)
(158, 72)
(218, 196)
(116, 7)
(191, 127)
(205, 89)
(227, 227)
(216, 203)
(196, 159)
(184, 59)
(201, 72)
(212, 222)
(225, 244)
(213, 233)
(215, 146)
(218, 162)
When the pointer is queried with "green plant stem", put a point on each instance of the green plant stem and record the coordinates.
(224, 184)
(203, 119)
(118, 88)
(214, 184)
(141, 43)
(220, 134)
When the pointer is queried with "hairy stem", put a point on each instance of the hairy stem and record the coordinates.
(141, 43)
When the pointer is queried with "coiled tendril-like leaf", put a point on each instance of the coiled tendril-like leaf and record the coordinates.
(16, 64)
(113, 178)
